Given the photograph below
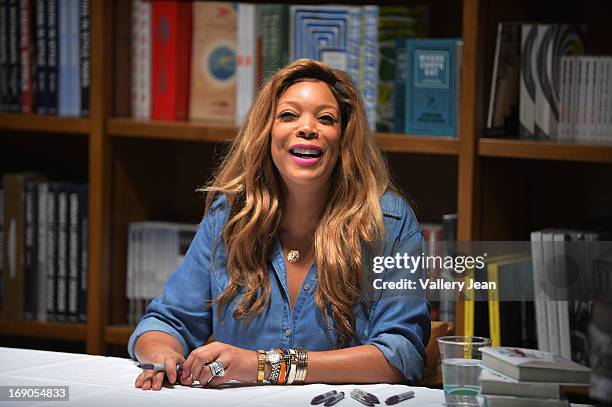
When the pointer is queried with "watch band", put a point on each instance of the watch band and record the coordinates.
(261, 365)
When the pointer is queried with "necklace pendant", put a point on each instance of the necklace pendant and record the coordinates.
(293, 256)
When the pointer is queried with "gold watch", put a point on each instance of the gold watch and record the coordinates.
(261, 365)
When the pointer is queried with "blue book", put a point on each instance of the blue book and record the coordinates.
(369, 70)
(331, 34)
(74, 60)
(64, 53)
(432, 86)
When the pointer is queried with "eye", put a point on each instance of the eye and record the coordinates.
(287, 116)
(327, 119)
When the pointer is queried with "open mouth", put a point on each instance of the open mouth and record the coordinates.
(306, 153)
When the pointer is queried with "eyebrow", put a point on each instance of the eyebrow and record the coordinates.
(319, 107)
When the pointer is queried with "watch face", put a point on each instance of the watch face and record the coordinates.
(273, 356)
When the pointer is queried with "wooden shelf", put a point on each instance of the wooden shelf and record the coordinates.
(47, 330)
(47, 124)
(167, 130)
(220, 132)
(542, 150)
(118, 334)
(405, 143)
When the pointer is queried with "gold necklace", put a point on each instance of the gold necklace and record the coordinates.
(293, 256)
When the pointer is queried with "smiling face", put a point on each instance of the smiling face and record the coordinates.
(306, 135)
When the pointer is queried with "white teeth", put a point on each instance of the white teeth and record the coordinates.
(309, 151)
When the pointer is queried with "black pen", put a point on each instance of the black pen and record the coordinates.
(399, 397)
(322, 397)
(360, 397)
(334, 399)
(158, 367)
(365, 395)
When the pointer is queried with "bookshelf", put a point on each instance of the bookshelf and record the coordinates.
(143, 170)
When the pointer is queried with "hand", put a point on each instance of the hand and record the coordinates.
(150, 379)
(240, 364)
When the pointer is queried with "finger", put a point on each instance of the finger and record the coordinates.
(187, 381)
(146, 380)
(202, 373)
(219, 380)
(170, 364)
(139, 380)
(187, 365)
(158, 380)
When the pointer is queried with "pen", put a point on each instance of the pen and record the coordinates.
(158, 367)
(399, 397)
(365, 395)
(334, 399)
(356, 395)
(322, 397)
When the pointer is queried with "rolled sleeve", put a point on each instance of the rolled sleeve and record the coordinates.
(184, 310)
(399, 323)
(400, 329)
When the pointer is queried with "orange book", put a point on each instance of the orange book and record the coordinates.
(213, 63)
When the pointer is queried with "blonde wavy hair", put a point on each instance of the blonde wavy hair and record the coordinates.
(352, 215)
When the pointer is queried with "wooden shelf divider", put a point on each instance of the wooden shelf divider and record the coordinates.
(542, 150)
(117, 334)
(67, 331)
(406, 143)
(46, 124)
(168, 130)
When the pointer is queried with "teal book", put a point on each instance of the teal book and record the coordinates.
(275, 47)
(432, 86)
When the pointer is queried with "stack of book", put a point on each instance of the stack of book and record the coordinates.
(515, 377)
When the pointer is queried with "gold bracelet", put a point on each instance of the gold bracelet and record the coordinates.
(261, 365)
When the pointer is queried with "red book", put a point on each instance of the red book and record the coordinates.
(25, 54)
(171, 55)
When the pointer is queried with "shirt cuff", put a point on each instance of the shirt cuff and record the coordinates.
(152, 324)
(400, 352)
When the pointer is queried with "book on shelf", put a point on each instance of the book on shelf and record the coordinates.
(432, 86)
(213, 62)
(534, 365)
(502, 116)
(395, 22)
(141, 59)
(275, 41)
(171, 24)
(155, 249)
(248, 58)
(493, 383)
(527, 80)
(44, 57)
(44, 249)
(511, 323)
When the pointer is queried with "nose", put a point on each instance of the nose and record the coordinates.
(307, 128)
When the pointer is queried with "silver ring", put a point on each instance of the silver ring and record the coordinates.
(216, 368)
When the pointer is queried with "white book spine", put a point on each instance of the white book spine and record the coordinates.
(498, 41)
(527, 80)
(590, 89)
(141, 59)
(551, 306)
(563, 134)
(560, 252)
(540, 302)
(370, 64)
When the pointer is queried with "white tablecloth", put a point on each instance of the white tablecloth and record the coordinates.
(107, 381)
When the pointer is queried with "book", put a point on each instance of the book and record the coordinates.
(505, 401)
(40, 57)
(331, 34)
(552, 42)
(171, 52)
(52, 248)
(275, 41)
(539, 294)
(4, 95)
(41, 255)
(502, 116)
(13, 67)
(85, 56)
(511, 322)
(25, 55)
(248, 58)
(83, 255)
(141, 60)
(494, 383)
(213, 62)
(527, 81)
(432, 86)
(395, 22)
(534, 365)
(369, 62)
(52, 19)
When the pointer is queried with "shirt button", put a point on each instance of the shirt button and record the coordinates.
(306, 287)
(287, 332)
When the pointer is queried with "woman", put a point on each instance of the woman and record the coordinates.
(274, 272)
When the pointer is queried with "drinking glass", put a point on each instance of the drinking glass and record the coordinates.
(461, 368)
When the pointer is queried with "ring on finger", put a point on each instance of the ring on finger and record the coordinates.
(216, 368)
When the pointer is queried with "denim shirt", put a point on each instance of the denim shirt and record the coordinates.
(400, 328)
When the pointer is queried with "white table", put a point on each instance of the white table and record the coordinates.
(106, 381)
